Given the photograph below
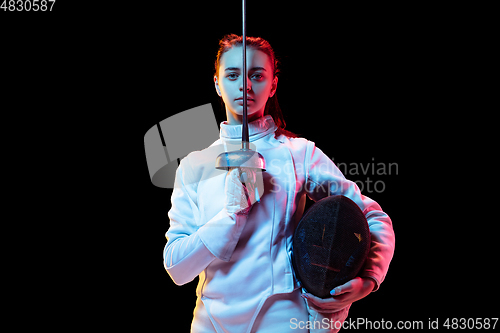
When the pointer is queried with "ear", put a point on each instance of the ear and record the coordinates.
(217, 88)
(274, 86)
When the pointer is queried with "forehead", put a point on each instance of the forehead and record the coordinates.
(255, 58)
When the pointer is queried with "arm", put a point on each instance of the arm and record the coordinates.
(324, 178)
(190, 248)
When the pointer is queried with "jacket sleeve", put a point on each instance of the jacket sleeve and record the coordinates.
(324, 179)
(191, 248)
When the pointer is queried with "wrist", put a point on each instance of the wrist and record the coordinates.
(369, 283)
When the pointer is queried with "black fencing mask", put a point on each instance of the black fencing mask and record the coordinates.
(330, 244)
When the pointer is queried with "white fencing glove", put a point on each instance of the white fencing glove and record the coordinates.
(240, 196)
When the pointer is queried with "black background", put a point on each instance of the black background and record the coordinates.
(364, 83)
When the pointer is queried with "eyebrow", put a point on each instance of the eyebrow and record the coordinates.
(251, 69)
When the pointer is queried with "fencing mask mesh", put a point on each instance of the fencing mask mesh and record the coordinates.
(330, 244)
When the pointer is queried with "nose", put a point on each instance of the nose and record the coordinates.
(249, 85)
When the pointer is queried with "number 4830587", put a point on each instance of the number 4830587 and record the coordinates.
(27, 5)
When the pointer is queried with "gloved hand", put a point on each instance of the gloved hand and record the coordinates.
(240, 197)
(343, 295)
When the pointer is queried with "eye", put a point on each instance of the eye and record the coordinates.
(232, 76)
(257, 77)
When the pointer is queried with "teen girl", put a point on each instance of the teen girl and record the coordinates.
(241, 249)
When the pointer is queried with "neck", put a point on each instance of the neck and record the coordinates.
(236, 119)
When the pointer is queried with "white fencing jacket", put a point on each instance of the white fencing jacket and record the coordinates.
(241, 261)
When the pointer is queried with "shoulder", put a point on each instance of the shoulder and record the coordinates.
(201, 163)
(296, 143)
(298, 146)
(199, 158)
(306, 152)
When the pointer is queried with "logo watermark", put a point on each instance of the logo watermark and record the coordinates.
(382, 324)
(330, 177)
(375, 169)
(356, 324)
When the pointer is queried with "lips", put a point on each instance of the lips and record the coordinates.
(241, 98)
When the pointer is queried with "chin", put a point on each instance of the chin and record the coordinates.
(248, 114)
(250, 111)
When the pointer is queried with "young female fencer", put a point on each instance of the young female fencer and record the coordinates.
(236, 237)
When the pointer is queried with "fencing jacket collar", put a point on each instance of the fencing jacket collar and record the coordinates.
(256, 129)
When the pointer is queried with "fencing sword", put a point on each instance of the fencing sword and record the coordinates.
(245, 157)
